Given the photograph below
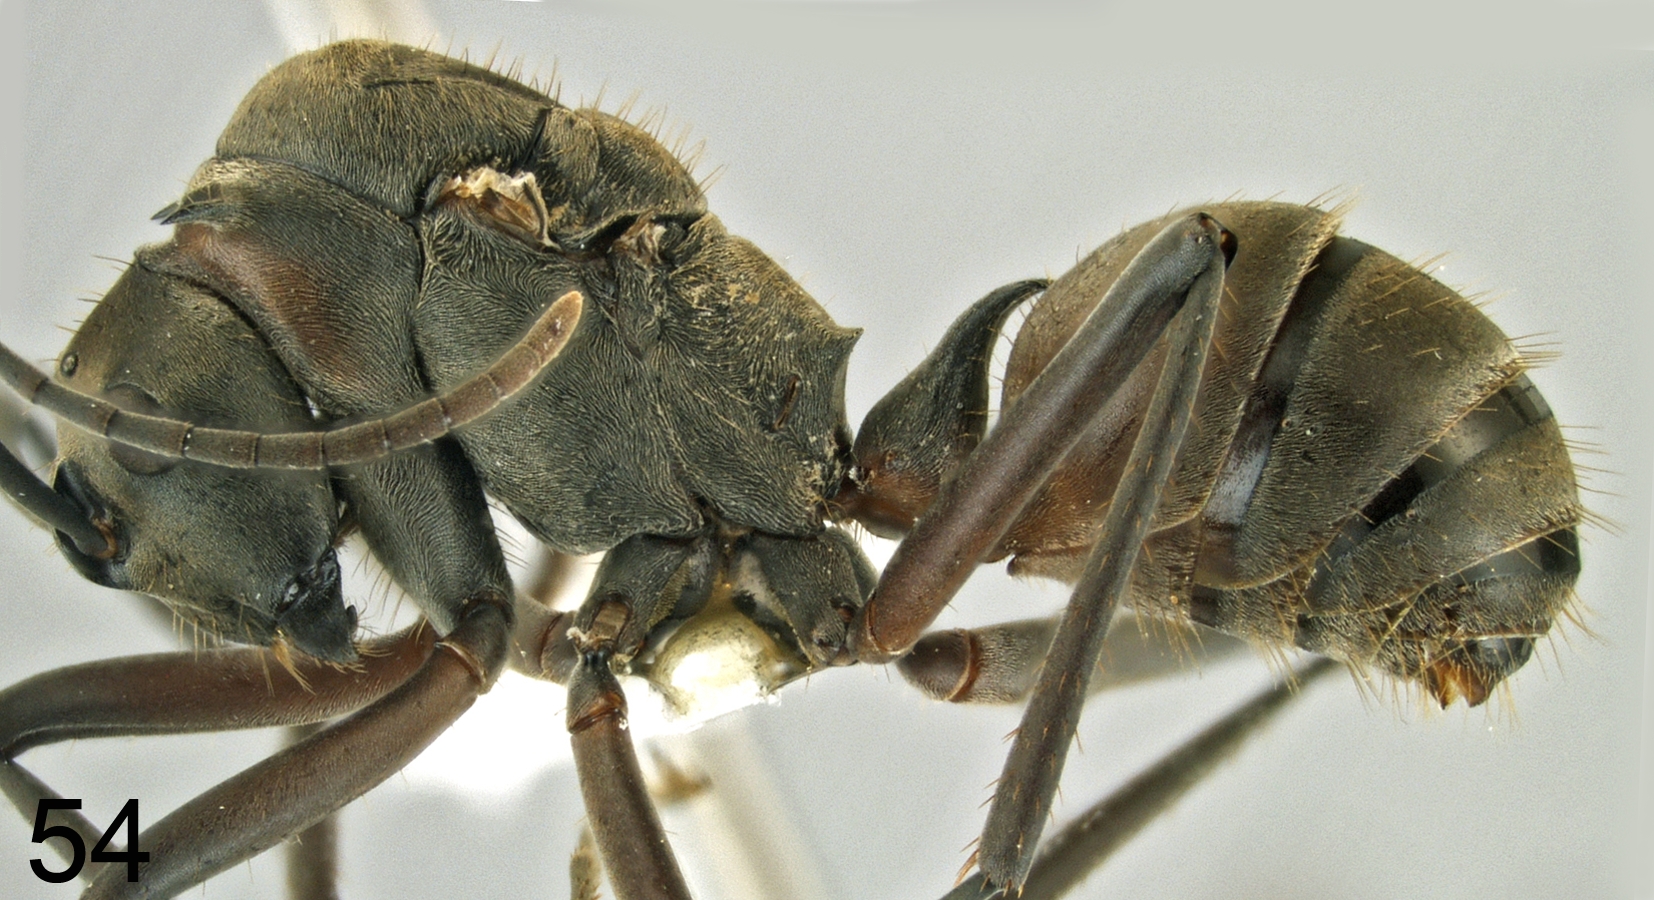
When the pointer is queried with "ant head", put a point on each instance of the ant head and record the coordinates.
(246, 555)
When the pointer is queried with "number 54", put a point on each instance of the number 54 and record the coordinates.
(132, 856)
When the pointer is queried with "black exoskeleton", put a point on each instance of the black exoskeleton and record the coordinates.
(405, 285)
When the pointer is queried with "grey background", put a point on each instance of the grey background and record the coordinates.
(900, 160)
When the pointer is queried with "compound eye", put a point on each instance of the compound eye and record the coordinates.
(139, 462)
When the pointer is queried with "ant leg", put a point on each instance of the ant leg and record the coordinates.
(1086, 842)
(622, 818)
(281, 796)
(190, 692)
(1022, 799)
(974, 509)
(540, 645)
(999, 663)
(539, 638)
(179, 693)
(313, 854)
(1181, 267)
(994, 664)
(638, 584)
(26, 792)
